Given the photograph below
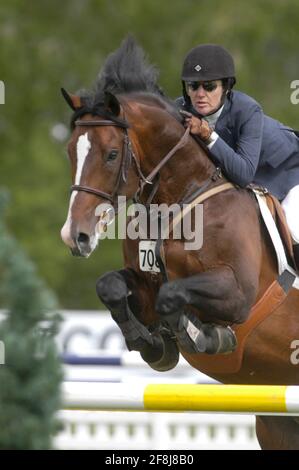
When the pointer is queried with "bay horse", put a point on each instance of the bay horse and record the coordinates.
(125, 135)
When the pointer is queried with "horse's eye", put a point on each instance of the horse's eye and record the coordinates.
(112, 155)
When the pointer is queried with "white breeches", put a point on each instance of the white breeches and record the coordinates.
(290, 205)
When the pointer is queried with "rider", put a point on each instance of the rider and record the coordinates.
(247, 145)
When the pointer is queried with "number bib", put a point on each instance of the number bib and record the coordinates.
(147, 257)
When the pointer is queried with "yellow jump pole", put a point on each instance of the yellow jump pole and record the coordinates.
(256, 399)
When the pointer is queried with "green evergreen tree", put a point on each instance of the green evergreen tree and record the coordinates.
(30, 371)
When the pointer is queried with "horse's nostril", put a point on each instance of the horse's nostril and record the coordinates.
(82, 238)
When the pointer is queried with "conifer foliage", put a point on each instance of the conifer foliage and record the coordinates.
(30, 372)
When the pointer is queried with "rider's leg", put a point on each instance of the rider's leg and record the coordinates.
(290, 205)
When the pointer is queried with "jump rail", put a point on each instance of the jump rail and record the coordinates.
(103, 358)
(254, 399)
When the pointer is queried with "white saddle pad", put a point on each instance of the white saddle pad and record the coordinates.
(275, 237)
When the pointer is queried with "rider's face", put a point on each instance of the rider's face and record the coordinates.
(205, 101)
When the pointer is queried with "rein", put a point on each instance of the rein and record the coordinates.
(167, 157)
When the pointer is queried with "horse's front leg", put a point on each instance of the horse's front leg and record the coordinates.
(218, 295)
(126, 296)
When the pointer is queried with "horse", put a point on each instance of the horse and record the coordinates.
(128, 139)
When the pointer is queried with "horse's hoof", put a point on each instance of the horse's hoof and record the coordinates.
(220, 339)
(169, 355)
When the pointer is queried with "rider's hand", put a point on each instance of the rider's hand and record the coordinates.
(197, 126)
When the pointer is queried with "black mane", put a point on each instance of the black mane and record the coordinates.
(125, 71)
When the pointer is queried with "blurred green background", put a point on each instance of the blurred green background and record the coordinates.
(48, 44)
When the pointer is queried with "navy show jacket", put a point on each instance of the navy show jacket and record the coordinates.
(253, 147)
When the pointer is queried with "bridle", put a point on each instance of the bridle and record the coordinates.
(126, 159)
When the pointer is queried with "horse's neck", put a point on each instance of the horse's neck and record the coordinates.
(188, 168)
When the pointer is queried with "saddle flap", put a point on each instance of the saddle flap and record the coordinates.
(281, 223)
(279, 218)
(231, 363)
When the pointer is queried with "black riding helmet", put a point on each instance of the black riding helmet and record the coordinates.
(208, 62)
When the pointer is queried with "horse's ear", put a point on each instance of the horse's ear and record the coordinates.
(111, 103)
(73, 101)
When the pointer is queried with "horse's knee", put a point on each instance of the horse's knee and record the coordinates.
(172, 297)
(111, 288)
(113, 292)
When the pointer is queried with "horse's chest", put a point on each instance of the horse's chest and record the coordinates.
(179, 262)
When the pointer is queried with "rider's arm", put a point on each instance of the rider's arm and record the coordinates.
(240, 165)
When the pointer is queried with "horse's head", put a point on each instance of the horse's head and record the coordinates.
(100, 155)
(103, 162)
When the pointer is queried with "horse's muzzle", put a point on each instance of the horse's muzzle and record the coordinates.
(84, 245)
(76, 252)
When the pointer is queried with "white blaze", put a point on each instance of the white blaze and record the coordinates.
(83, 147)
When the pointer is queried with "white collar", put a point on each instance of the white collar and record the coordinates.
(212, 118)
